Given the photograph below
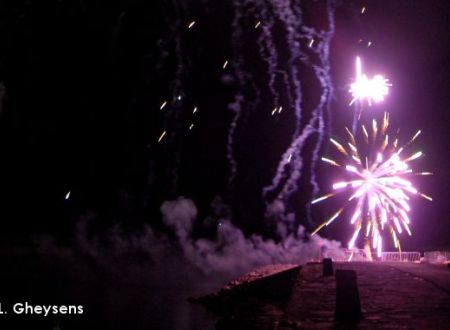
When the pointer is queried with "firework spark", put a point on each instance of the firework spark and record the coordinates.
(378, 187)
(370, 90)
(162, 136)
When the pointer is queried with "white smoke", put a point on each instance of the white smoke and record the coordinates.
(179, 215)
(230, 254)
(234, 253)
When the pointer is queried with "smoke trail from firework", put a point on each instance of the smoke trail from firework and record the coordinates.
(230, 253)
(291, 164)
(305, 45)
(284, 52)
(379, 188)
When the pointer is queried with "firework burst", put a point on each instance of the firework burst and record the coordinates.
(378, 188)
(371, 90)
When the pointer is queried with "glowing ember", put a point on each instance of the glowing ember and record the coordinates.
(379, 187)
(371, 90)
(162, 136)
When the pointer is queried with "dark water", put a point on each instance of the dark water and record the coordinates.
(120, 293)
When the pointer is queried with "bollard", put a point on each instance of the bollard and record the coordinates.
(327, 267)
(348, 305)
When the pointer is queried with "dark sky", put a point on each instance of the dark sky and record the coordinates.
(83, 83)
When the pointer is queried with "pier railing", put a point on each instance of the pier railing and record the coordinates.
(437, 257)
(360, 255)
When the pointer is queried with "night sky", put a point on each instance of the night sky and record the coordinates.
(82, 83)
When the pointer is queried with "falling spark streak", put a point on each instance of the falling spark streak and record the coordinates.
(394, 238)
(333, 217)
(397, 225)
(365, 89)
(191, 24)
(340, 185)
(352, 138)
(379, 190)
(355, 216)
(395, 143)
(317, 200)
(380, 247)
(385, 122)
(415, 136)
(318, 229)
(195, 110)
(374, 127)
(163, 105)
(225, 65)
(338, 146)
(369, 225)
(351, 244)
(385, 142)
(415, 156)
(311, 43)
(67, 196)
(366, 135)
(329, 161)
(257, 24)
(407, 228)
(375, 240)
(161, 136)
(353, 147)
(191, 126)
(427, 197)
